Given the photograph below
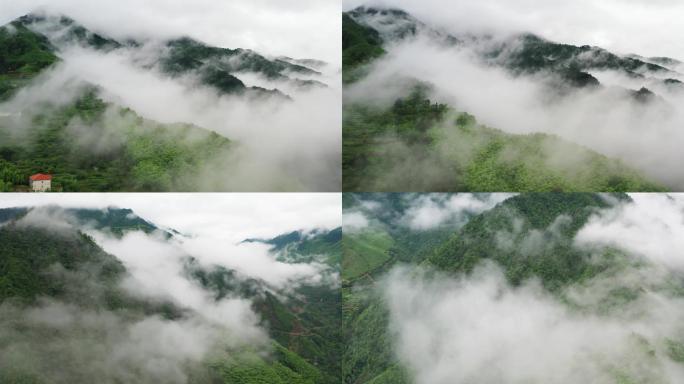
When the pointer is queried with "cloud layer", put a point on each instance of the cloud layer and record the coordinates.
(607, 120)
(300, 29)
(481, 330)
(649, 28)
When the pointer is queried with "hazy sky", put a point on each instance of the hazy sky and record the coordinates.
(646, 27)
(233, 216)
(297, 28)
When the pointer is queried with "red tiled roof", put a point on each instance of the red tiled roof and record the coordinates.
(40, 176)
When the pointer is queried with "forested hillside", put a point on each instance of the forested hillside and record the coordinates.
(48, 262)
(426, 146)
(400, 134)
(90, 138)
(91, 146)
(532, 239)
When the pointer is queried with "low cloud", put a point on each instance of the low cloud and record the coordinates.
(428, 211)
(157, 267)
(169, 328)
(651, 227)
(300, 29)
(282, 144)
(607, 120)
(354, 221)
(480, 329)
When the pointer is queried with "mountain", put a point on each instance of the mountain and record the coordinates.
(367, 255)
(305, 247)
(531, 238)
(557, 217)
(118, 221)
(48, 261)
(24, 54)
(417, 144)
(88, 144)
(216, 67)
(523, 53)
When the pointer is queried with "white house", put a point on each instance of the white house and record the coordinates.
(40, 182)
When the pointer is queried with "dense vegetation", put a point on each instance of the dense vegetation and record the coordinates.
(418, 145)
(89, 145)
(535, 54)
(556, 217)
(308, 321)
(39, 261)
(367, 255)
(217, 65)
(529, 236)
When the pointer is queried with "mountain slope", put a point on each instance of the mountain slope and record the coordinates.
(522, 53)
(552, 219)
(368, 255)
(418, 145)
(48, 262)
(90, 145)
(305, 247)
(531, 239)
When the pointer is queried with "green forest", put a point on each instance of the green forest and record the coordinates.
(90, 146)
(418, 144)
(457, 250)
(39, 264)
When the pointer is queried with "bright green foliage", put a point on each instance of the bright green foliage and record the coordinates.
(23, 54)
(503, 235)
(527, 163)
(367, 255)
(285, 368)
(365, 252)
(380, 144)
(393, 375)
(328, 244)
(529, 237)
(91, 146)
(368, 350)
(417, 145)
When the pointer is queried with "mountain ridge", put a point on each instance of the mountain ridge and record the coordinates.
(180, 55)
